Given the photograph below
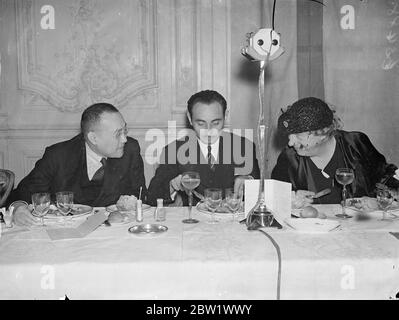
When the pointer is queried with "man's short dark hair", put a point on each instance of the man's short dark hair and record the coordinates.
(207, 97)
(92, 115)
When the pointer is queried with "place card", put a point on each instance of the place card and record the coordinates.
(81, 231)
(277, 197)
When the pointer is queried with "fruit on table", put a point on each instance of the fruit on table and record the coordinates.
(309, 212)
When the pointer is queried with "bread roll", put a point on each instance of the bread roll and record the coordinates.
(126, 203)
(309, 212)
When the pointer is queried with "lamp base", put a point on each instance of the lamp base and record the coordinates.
(261, 215)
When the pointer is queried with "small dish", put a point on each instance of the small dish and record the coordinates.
(113, 207)
(149, 228)
(312, 225)
(78, 210)
(221, 211)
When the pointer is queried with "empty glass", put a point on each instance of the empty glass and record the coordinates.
(384, 200)
(213, 199)
(64, 201)
(233, 200)
(41, 205)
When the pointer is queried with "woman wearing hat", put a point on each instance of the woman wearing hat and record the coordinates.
(317, 147)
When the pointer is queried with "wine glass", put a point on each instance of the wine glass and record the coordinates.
(41, 204)
(213, 199)
(344, 176)
(190, 180)
(64, 201)
(384, 200)
(233, 200)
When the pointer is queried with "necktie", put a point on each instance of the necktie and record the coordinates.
(211, 159)
(99, 175)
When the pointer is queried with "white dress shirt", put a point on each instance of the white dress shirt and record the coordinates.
(214, 149)
(93, 161)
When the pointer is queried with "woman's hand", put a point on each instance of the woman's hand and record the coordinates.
(301, 198)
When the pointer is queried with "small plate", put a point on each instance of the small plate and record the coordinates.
(113, 207)
(78, 210)
(363, 205)
(203, 208)
(312, 225)
(127, 218)
(147, 229)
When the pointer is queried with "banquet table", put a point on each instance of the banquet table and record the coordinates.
(358, 260)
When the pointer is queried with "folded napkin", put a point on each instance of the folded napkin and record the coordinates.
(81, 231)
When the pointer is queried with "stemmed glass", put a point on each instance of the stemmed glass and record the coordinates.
(213, 199)
(64, 202)
(344, 176)
(190, 180)
(384, 200)
(41, 205)
(233, 200)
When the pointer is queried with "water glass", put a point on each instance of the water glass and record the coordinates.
(233, 200)
(213, 200)
(64, 201)
(384, 200)
(41, 204)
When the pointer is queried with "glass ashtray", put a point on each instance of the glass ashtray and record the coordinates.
(148, 228)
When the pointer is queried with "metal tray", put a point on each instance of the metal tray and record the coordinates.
(147, 229)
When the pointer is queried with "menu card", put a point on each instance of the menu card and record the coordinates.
(277, 197)
(81, 231)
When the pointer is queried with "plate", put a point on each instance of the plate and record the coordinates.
(78, 210)
(201, 206)
(312, 225)
(143, 229)
(113, 207)
(367, 205)
(126, 219)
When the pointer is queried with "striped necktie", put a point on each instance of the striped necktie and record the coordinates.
(99, 175)
(211, 159)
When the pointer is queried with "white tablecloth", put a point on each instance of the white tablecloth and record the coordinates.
(360, 260)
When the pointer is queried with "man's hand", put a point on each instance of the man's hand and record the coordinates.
(301, 198)
(396, 176)
(23, 217)
(175, 184)
(239, 184)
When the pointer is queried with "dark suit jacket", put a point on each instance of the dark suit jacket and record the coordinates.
(62, 166)
(231, 161)
(359, 154)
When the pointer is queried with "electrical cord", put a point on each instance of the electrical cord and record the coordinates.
(275, 244)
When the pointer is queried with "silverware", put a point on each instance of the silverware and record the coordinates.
(321, 193)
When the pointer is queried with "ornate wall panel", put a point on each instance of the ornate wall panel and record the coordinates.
(145, 56)
(98, 51)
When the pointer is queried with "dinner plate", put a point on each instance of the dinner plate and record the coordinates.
(201, 206)
(147, 229)
(113, 207)
(78, 210)
(368, 205)
(312, 225)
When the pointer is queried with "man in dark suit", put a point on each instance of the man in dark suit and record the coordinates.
(222, 159)
(98, 165)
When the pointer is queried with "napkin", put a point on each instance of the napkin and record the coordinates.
(277, 197)
(81, 231)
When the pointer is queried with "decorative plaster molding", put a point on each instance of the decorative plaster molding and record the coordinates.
(90, 56)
